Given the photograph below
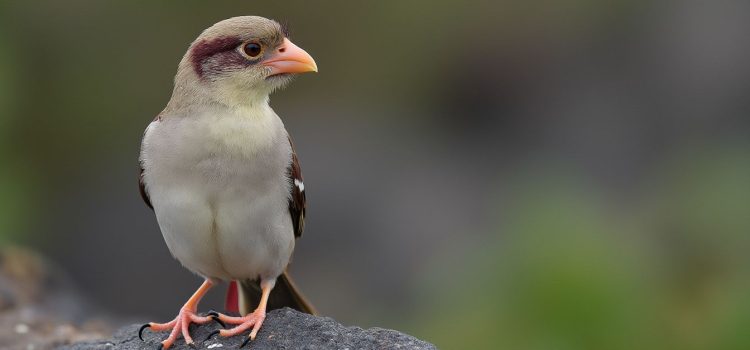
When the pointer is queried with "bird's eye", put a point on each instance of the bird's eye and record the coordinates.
(252, 49)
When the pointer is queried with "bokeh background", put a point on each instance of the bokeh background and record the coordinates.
(481, 174)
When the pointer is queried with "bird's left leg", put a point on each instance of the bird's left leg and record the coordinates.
(254, 319)
(183, 320)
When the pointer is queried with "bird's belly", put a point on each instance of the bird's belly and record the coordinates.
(227, 233)
(254, 234)
(186, 222)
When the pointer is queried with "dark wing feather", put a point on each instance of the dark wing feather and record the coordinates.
(297, 202)
(142, 187)
(141, 182)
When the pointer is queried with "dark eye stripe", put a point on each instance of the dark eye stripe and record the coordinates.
(204, 49)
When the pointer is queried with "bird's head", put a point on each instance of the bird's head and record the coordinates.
(240, 60)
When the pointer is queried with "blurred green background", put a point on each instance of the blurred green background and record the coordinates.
(481, 174)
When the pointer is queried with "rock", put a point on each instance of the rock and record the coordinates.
(283, 329)
(39, 307)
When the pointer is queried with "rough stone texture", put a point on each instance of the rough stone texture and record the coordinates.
(283, 329)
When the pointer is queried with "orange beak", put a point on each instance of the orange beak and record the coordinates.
(289, 58)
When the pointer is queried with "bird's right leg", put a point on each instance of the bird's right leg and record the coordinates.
(183, 320)
(253, 320)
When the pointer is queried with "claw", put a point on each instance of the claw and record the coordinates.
(140, 331)
(211, 335)
(247, 340)
(215, 316)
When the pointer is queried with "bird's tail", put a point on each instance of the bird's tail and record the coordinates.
(242, 297)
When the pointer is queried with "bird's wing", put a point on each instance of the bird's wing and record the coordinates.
(297, 201)
(141, 181)
(142, 186)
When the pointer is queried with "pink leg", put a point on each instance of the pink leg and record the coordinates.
(182, 322)
(254, 320)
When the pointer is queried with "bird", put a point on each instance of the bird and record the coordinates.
(221, 173)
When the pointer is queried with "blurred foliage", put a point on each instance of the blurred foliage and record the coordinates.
(572, 271)
(14, 185)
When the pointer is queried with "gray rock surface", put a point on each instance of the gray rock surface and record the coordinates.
(283, 329)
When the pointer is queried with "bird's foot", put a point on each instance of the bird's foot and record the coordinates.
(254, 320)
(180, 324)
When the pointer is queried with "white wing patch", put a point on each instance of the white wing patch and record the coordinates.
(299, 185)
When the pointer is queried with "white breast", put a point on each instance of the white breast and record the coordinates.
(217, 180)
